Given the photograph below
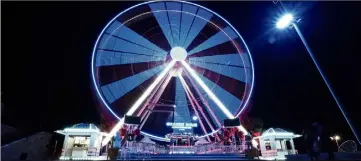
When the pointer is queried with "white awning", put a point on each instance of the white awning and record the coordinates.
(147, 140)
(279, 133)
(201, 141)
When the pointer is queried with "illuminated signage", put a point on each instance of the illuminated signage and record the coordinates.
(181, 125)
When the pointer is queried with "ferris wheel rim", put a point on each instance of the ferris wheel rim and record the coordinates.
(97, 86)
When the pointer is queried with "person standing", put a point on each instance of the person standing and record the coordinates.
(311, 143)
(329, 148)
(327, 144)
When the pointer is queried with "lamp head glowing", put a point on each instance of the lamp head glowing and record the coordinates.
(337, 137)
(284, 21)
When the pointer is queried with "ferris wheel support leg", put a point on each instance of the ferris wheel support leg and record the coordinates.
(193, 106)
(139, 101)
(149, 100)
(207, 90)
(141, 112)
(201, 110)
(153, 100)
(211, 94)
(196, 102)
(205, 102)
(157, 97)
(207, 106)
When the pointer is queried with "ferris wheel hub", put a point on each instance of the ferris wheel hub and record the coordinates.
(178, 53)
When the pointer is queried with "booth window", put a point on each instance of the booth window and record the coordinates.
(82, 142)
(267, 144)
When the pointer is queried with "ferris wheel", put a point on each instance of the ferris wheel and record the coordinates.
(176, 56)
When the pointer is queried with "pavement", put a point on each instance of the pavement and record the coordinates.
(194, 157)
(339, 156)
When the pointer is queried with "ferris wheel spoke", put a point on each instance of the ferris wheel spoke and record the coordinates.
(234, 60)
(133, 53)
(223, 36)
(221, 49)
(221, 64)
(229, 71)
(224, 95)
(227, 83)
(121, 87)
(159, 12)
(174, 15)
(112, 73)
(188, 12)
(109, 42)
(231, 102)
(120, 31)
(112, 57)
(199, 22)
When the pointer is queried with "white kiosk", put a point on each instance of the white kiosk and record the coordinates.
(276, 144)
(81, 141)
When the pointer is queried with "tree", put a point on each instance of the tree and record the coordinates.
(253, 125)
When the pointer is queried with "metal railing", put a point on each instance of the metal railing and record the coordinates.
(146, 148)
(219, 148)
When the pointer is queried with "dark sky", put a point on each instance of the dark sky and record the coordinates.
(46, 53)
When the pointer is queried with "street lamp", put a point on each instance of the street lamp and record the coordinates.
(284, 21)
(336, 138)
(288, 21)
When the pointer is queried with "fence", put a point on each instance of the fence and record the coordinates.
(148, 149)
(219, 148)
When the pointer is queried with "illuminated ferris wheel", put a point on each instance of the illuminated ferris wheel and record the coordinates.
(172, 61)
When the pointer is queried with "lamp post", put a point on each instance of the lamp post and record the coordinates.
(336, 138)
(287, 20)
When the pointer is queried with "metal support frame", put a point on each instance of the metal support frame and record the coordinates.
(155, 100)
(192, 104)
(149, 99)
(197, 104)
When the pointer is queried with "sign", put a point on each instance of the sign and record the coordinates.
(92, 152)
(181, 125)
(269, 153)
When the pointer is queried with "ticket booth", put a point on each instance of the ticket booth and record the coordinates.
(81, 141)
(276, 143)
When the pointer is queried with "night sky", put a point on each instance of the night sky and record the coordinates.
(46, 55)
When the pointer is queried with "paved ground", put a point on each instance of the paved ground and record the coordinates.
(324, 156)
(190, 157)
